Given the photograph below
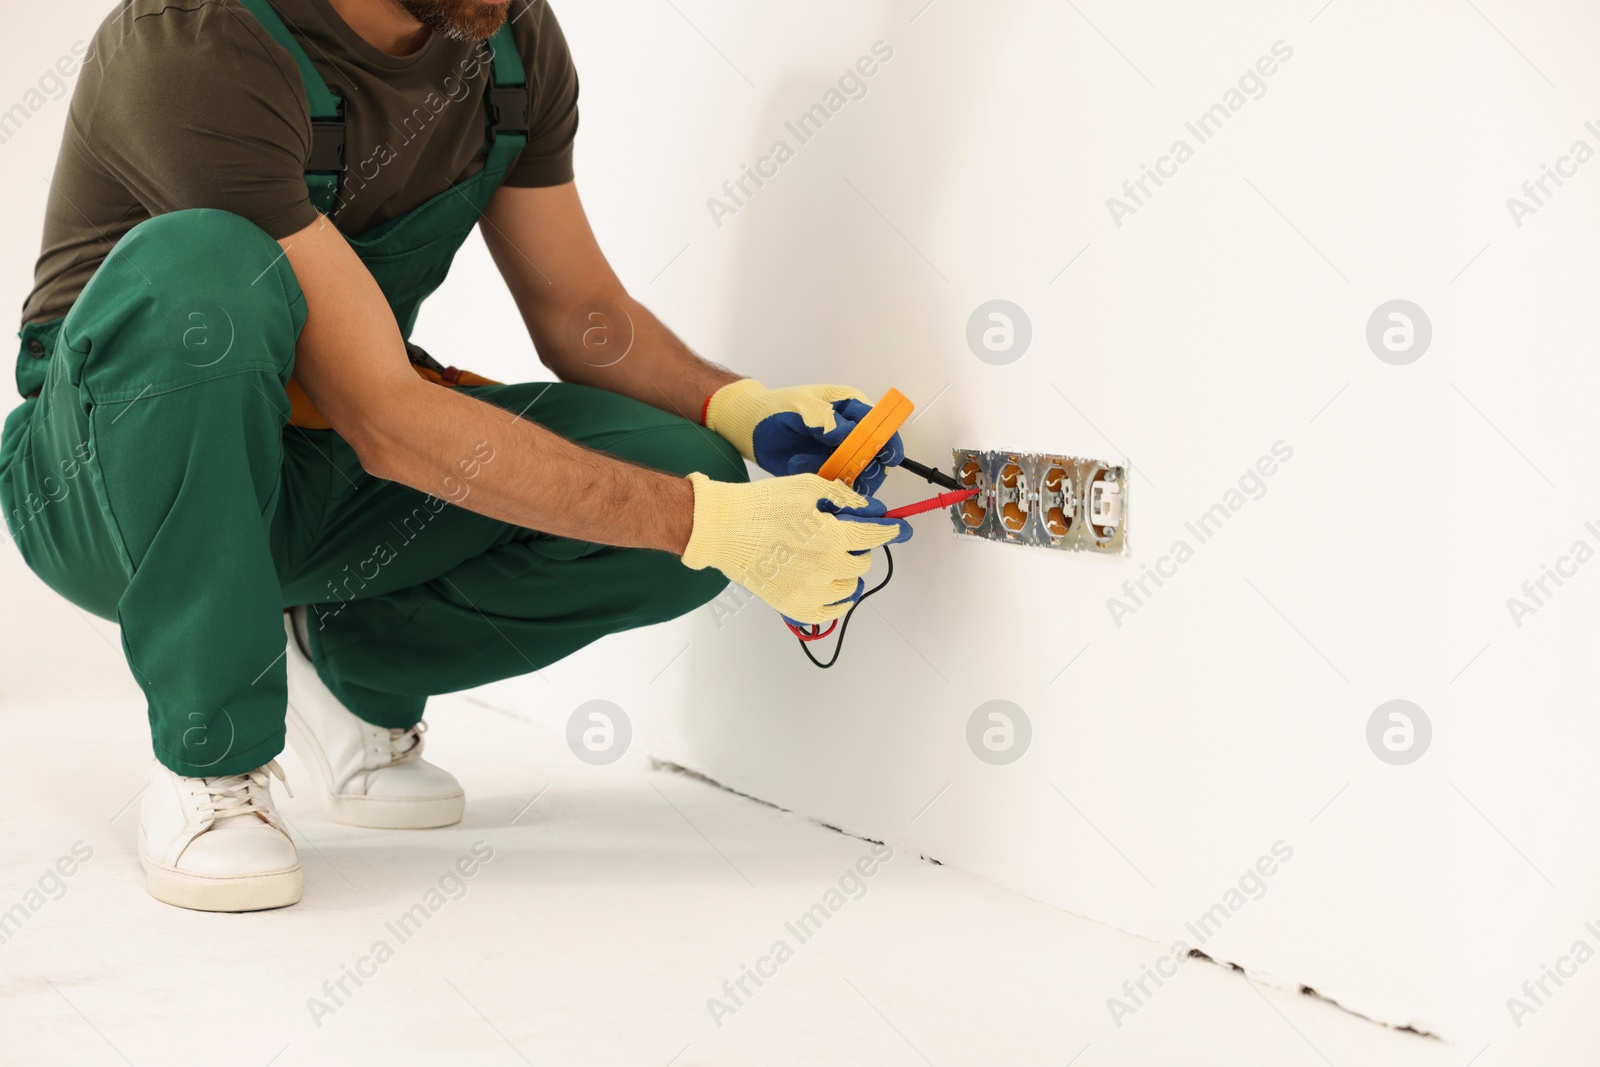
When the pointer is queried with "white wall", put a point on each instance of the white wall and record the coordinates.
(1223, 317)
(1230, 711)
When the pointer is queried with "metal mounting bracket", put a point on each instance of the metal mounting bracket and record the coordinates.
(1044, 499)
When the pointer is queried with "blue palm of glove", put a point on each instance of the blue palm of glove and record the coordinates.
(872, 512)
(786, 444)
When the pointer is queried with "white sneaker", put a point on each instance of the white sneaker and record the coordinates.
(373, 776)
(217, 844)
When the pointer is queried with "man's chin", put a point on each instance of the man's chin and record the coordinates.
(472, 21)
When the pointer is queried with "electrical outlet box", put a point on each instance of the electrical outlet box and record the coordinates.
(1047, 500)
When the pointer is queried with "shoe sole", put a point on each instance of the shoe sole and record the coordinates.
(256, 892)
(370, 813)
(380, 813)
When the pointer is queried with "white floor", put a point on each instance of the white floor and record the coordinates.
(617, 902)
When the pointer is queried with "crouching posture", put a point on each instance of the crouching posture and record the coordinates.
(304, 524)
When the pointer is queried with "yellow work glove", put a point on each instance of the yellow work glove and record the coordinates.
(772, 538)
(736, 409)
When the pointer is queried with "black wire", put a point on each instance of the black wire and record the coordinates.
(844, 623)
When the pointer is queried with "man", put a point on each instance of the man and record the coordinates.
(224, 418)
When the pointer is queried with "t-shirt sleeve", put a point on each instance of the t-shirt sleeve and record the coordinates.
(198, 108)
(552, 97)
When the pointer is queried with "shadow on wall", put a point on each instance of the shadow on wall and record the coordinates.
(832, 286)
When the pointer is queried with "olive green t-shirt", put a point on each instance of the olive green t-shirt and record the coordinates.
(190, 104)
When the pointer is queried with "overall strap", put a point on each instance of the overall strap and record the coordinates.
(327, 111)
(508, 103)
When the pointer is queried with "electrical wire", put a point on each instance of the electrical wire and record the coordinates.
(844, 624)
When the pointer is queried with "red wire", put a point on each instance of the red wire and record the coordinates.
(814, 634)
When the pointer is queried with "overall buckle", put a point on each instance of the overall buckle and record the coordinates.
(327, 145)
(508, 109)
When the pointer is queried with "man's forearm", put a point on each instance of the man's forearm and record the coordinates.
(434, 440)
(351, 362)
(582, 320)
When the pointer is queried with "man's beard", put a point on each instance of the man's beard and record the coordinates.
(458, 20)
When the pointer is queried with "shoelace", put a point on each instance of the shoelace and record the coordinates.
(244, 794)
(405, 745)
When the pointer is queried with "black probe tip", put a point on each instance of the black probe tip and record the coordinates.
(937, 477)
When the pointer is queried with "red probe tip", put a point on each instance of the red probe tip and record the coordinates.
(943, 500)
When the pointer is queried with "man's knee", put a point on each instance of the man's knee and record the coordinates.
(696, 448)
(208, 253)
(186, 291)
(676, 590)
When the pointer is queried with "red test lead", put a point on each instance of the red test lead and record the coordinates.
(943, 500)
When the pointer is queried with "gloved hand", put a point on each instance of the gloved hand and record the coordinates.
(801, 543)
(873, 513)
(795, 430)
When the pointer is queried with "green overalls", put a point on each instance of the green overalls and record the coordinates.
(152, 477)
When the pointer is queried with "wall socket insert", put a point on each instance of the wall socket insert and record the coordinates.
(1043, 499)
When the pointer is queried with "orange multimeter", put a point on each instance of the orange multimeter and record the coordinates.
(855, 454)
(862, 446)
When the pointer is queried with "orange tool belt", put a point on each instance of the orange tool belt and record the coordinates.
(304, 414)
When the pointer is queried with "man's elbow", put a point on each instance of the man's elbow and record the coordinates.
(378, 457)
(371, 427)
(571, 337)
